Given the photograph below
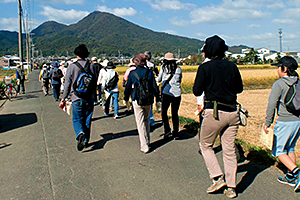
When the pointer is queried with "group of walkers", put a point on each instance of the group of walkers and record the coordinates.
(217, 83)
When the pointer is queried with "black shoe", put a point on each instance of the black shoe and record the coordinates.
(175, 135)
(167, 134)
(80, 142)
(86, 144)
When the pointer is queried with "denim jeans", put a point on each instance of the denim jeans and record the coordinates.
(114, 97)
(151, 117)
(82, 114)
(56, 90)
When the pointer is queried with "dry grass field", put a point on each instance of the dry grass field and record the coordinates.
(254, 100)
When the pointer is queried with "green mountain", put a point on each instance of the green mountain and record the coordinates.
(103, 33)
(8, 42)
(238, 49)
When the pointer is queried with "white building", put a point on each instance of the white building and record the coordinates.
(263, 51)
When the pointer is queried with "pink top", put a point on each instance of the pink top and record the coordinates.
(128, 72)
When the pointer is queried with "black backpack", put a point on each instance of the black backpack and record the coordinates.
(292, 98)
(111, 84)
(144, 91)
(85, 83)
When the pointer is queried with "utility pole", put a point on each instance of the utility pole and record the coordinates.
(280, 37)
(20, 34)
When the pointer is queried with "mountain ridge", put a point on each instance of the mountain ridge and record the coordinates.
(106, 34)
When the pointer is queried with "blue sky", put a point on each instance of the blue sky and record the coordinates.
(250, 22)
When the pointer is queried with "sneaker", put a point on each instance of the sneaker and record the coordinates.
(116, 116)
(145, 151)
(230, 193)
(105, 114)
(102, 108)
(297, 186)
(110, 109)
(286, 180)
(80, 142)
(216, 185)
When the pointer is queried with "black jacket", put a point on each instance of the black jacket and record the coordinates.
(220, 80)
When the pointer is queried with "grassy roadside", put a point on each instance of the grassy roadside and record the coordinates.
(256, 154)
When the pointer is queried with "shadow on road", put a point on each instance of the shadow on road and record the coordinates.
(3, 145)
(183, 135)
(13, 121)
(107, 137)
(252, 170)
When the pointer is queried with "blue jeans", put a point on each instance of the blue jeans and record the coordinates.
(82, 114)
(56, 90)
(114, 97)
(151, 118)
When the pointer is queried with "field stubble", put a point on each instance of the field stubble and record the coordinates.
(255, 101)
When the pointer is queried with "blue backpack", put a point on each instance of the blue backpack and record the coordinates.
(292, 98)
(85, 83)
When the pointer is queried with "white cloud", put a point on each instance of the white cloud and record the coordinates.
(63, 16)
(292, 13)
(150, 19)
(176, 22)
(118, 11)
(227, 11)
(171, 32)
(276, 5)
(253, 26)
(294, 3)
(284, 21)
(169, 5)
(68, 2)
(200, 35)
(257, 37)
(10, 24)
(7, 1)
(290, 36)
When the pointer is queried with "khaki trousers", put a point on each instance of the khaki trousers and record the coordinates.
(141, 114)
(226, 125)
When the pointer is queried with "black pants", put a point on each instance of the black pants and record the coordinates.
(167, 100)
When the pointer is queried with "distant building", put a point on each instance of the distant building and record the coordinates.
(273, 56)
(238, 55)
(244, 51)
(294, 54)
(9, 61)
(263, 51)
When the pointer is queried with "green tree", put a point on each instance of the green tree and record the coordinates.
(251, 57)
(278, 57)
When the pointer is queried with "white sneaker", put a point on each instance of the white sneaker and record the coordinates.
(116, 116)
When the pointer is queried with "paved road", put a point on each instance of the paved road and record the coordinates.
(39, 159)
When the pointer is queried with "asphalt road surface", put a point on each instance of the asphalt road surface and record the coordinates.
(39, 159)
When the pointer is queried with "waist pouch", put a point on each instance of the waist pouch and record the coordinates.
(219, 106)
